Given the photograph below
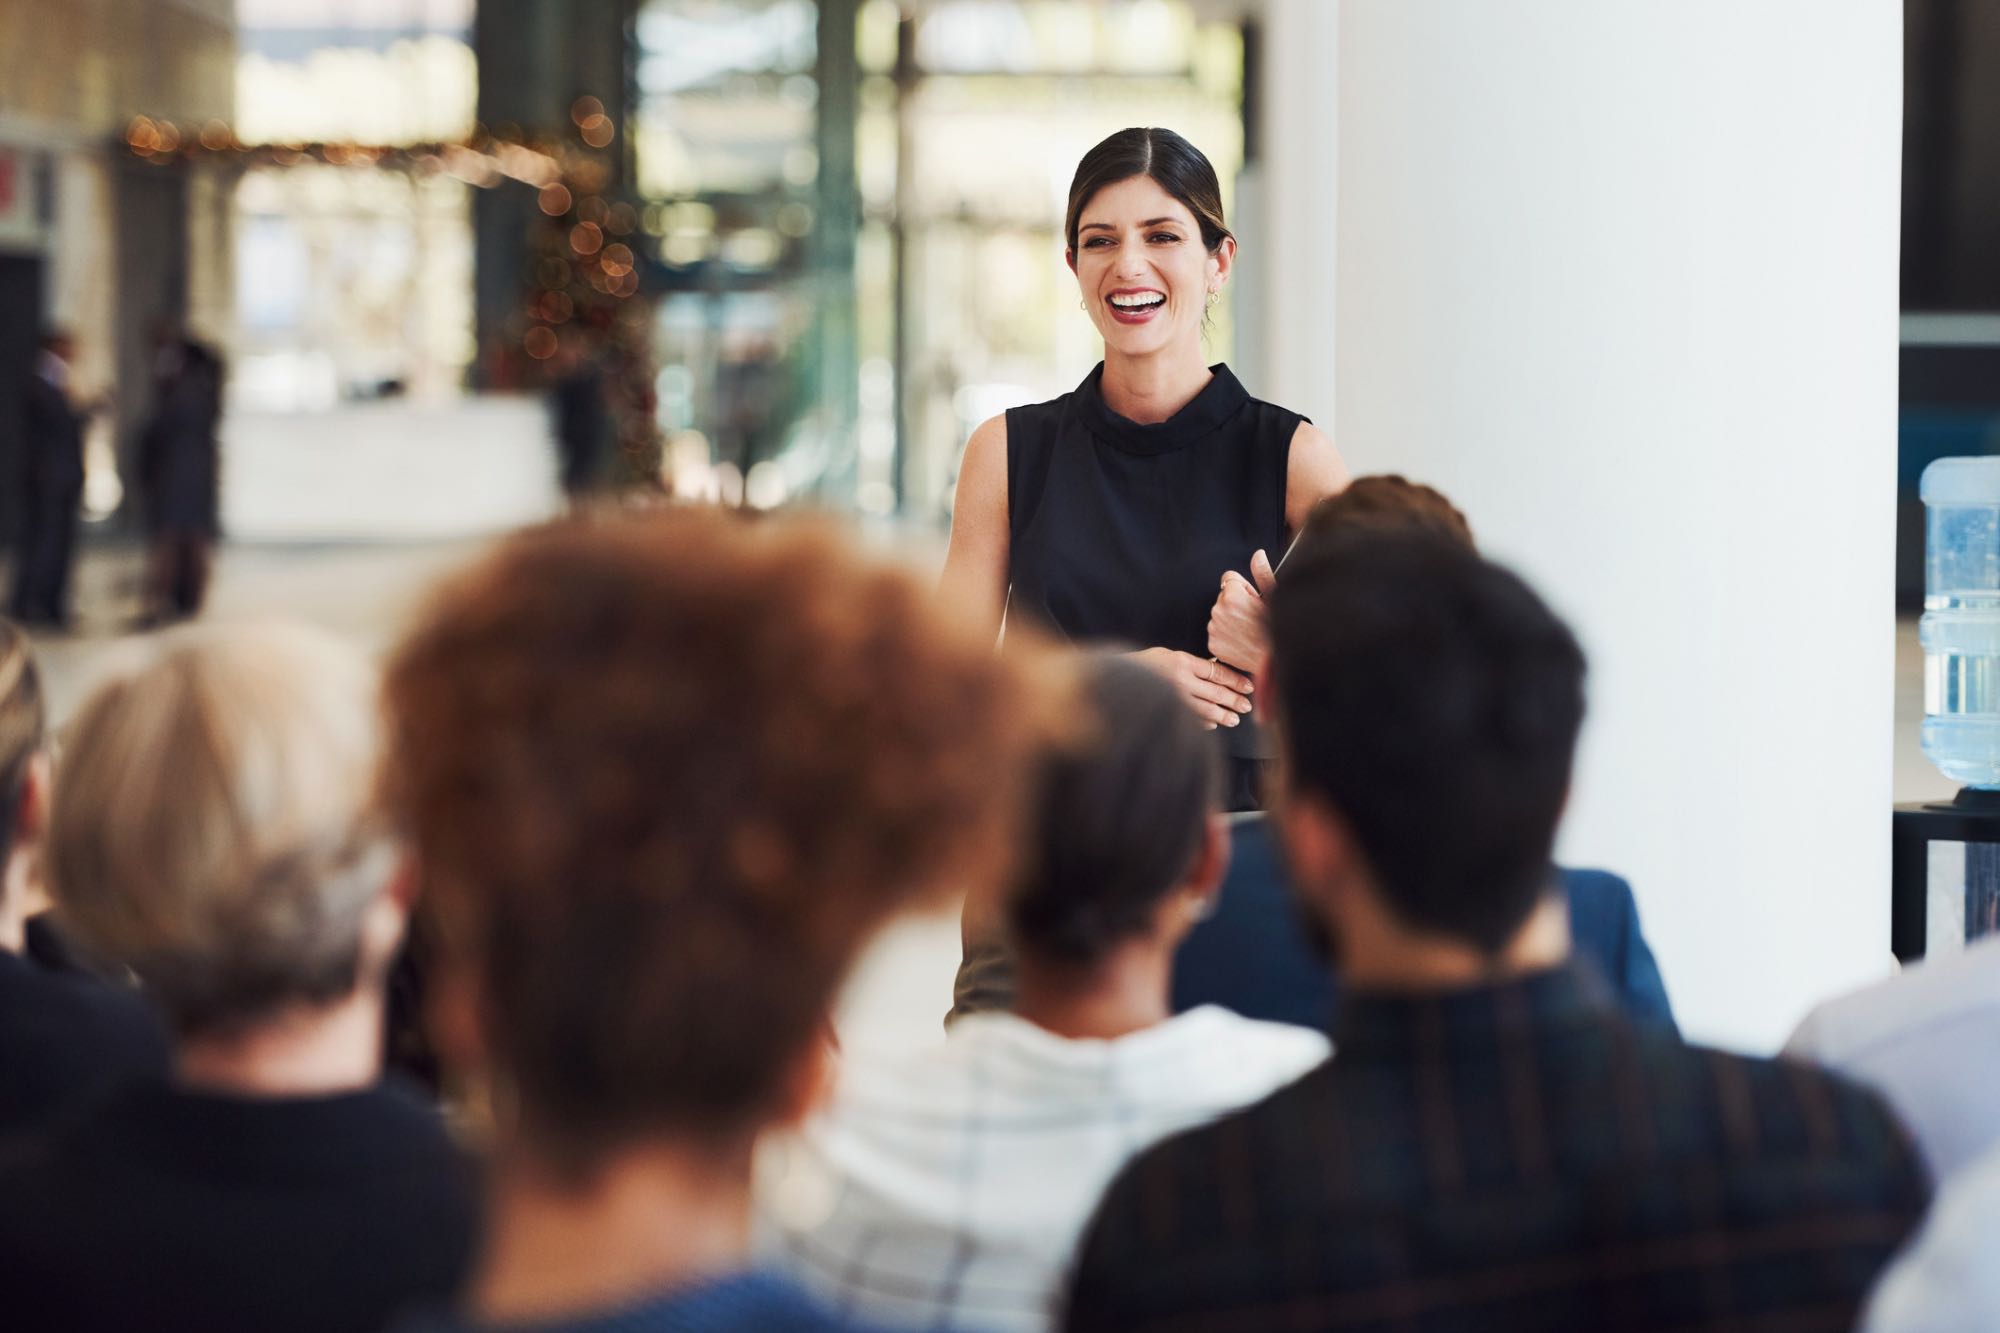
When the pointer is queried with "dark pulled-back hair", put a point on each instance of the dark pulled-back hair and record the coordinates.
(1171, 162)
(1433, 700)
(1120, 818)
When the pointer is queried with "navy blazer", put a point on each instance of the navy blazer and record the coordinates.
(1252, 954)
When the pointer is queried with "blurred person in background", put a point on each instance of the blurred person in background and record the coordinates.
(1109, 514)
(63, 1036)
(583, 425)
(1908, 1036)
(216, 831)
(1946, 1281)
(1493, 1146)
(666, 773)
(49, 482)
(179, 472)
(960, 1178)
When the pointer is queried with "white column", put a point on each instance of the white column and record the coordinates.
(1621, 279)
(1291, 258)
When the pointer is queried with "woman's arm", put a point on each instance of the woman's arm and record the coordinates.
(975, 567)
(1314, 471)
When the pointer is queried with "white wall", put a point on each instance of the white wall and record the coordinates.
(1621, 278)
(1291, 258)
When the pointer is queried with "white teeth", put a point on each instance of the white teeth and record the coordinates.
(1137, 302)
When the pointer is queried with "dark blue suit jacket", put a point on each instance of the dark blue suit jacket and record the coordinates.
(1252, 954)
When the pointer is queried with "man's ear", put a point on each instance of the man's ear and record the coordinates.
(809, 1086)
(1319, 848)
(31, 828)
(385, 924)
(402, 889)
(453, 1009)
(1211, 863)
(31, 812)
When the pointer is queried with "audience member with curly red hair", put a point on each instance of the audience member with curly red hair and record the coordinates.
(664, 776)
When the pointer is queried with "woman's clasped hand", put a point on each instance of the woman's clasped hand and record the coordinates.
(1219, 694)
(1236, 632)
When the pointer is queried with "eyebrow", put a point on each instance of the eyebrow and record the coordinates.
(1106, 226)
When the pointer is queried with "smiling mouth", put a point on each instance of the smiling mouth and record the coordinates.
(1135, 307)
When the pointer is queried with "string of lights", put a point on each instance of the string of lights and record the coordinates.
(583, 266)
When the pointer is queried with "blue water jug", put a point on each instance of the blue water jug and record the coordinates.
(1960, 629)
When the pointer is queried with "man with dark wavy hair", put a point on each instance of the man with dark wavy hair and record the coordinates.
(1493, 1146)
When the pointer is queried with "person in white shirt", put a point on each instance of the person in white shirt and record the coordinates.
(1921, 1039)
(1946, 1280)
(947, 1188)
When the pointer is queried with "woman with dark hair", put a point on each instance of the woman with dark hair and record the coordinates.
(946, 1189)
(1111, 514)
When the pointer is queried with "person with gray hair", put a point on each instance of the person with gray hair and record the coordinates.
(215, 831)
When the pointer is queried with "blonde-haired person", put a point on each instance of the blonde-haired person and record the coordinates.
(216, 832)
(63, 1036)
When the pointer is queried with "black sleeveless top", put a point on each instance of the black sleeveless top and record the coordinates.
(1118, 533)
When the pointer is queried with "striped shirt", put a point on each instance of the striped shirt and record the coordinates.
(946, 1189)
(1511, 1157)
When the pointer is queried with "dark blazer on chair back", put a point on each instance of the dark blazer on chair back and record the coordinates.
(1254, 955)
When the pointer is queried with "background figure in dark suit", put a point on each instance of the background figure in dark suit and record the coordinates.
(50, 484)
(582, 421)
(180, 474)
(1257, 954)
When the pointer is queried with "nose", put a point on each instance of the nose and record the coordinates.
(1131, 264)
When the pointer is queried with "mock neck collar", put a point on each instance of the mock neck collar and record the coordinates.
(1396, 1025)
(1218, 400)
